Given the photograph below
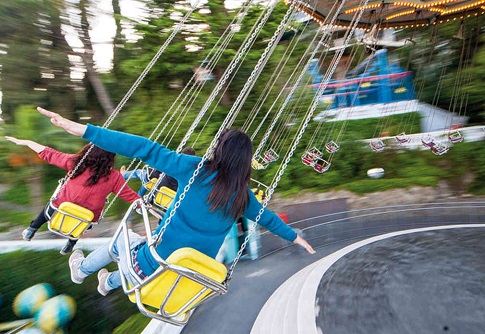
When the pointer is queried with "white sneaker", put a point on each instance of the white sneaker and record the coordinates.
(103, 275)
(74, 262)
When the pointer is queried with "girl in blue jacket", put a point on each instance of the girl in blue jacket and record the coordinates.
(216, 199)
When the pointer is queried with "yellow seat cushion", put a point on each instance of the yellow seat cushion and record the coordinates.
(257, 165)
(150, 184)
(153, 293)
(71, 226)
(164, 197)
(260, 194)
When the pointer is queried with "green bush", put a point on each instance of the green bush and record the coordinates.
(14, 218)
(94, 314)
(17, 194)
(369, 186)
(133, 324)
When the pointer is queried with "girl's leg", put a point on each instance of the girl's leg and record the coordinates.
(42, 217)
(29, 232)
(97, 261)
(68, 247)
(114, 279)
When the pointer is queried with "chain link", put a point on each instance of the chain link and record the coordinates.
(226, 75)
(135, 85)
(288, 156)
(209, 151)
(325, 35)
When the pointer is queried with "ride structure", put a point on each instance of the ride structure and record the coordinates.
(373, 81)
(188, 278)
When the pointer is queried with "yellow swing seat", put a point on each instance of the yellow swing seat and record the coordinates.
(259, 163)
(70, 220)
(173, 291)
(164, 196)
(181, 282)
(259, 189)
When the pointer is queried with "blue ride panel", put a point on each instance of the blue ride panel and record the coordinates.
(372, 81)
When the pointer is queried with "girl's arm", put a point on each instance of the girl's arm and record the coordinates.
(76, 129)
(48, 154)
(154, 154)
(270, 221)
(36, 147)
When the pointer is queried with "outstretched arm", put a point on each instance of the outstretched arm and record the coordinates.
(36, 147)
(76, 129)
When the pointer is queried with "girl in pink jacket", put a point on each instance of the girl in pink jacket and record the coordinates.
(88, 186)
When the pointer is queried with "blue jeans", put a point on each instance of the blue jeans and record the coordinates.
(139, 174)
(100, 258)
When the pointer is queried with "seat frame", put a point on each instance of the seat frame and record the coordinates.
(332, 147)
(259, 163)
(377, 145)
(181, 316)
(271, 156)
(65, 214)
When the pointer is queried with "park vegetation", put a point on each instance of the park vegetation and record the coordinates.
(37, 64)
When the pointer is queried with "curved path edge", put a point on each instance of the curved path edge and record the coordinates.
(306, 301)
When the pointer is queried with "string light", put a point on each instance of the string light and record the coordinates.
(441, 7)
(407, 12)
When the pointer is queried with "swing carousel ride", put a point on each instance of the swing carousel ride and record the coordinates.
(277, 119)
(395, 14)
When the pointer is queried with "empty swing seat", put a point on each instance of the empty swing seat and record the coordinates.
(428, 141)
(173, 291)
(377, 145)
(402, 138)
(270, 156)
(439, 149)
(70, 220)
(309, 157)
(455, 137)
(332, 147)
(307, 161)
(321, 166)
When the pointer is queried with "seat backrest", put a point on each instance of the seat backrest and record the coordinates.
(71, 226)
(164, 197)
(155, 292)
(259, 193)
(150, 184)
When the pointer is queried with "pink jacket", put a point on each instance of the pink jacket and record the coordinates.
(92, 197)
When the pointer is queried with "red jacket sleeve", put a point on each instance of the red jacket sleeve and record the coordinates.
(56, 158)
(127, 194)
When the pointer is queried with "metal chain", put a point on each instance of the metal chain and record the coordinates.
(209, 151)
(278, 34)
(226, 75)
(135, 85)
(297, 83)
(288, 156)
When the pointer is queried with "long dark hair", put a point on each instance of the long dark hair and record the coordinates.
(98, 161)
(232, 162)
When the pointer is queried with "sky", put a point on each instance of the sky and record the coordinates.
(104, 29)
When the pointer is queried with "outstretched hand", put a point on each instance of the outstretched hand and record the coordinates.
(16, 141)
(71, 127)
(303, 243)
(25, 142)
